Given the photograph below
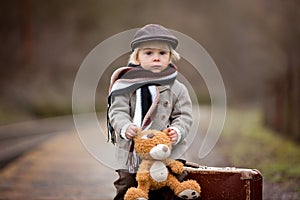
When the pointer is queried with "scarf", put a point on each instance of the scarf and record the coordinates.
(130, 79)
(143, 82)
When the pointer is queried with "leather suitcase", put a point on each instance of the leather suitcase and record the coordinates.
(226, 183)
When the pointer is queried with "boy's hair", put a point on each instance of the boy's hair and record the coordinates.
(133, 56)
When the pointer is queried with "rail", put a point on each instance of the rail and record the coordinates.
(18, 138)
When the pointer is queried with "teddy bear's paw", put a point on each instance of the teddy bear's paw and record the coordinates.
(189, 194)
(135, 194)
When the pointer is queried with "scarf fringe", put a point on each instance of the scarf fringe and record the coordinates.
(133, 160)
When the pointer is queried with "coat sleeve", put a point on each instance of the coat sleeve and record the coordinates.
(119, 113)
(181, 116)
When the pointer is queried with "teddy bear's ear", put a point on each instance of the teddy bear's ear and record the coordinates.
(166, 131)
(139, 132)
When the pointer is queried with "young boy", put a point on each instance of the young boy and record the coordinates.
(147, 95)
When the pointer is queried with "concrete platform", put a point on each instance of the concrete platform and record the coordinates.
(58, 169)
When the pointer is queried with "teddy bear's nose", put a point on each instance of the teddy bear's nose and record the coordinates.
(165, 149)
(150, 135)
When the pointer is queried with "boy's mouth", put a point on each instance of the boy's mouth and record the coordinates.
(156, 66)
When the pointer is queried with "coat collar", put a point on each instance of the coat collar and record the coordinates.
(162, 88)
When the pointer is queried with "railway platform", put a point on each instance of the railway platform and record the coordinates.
(59, 168)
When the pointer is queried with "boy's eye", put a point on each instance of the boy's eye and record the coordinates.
(162, 52)
(149, 52)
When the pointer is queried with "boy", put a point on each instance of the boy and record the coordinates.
(147, 95)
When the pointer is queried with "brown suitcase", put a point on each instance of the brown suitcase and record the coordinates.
(226, 183)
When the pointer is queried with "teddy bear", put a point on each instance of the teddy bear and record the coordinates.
(154, 148)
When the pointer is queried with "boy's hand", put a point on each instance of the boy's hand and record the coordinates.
(172, 135)
(131, 131)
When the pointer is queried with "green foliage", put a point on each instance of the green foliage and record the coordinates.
(50, 109)
(256, 146)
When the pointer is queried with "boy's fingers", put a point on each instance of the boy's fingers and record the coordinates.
(171, 133)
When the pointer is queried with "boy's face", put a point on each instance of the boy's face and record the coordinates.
(154, 59)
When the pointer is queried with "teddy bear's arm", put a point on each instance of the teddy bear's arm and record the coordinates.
(176, 166)
(143, 172)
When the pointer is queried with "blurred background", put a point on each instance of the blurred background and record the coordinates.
(254, 43)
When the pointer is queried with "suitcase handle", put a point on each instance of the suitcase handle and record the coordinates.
(191, 164)
(194, 165)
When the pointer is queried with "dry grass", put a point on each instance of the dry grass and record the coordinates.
(255, 146)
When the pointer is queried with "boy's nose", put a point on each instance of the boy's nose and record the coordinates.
(156, 59)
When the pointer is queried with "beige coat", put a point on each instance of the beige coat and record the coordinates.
(174, 109)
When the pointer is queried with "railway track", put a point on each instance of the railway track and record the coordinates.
(16, 139)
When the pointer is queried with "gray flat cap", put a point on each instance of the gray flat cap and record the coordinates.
(153, 32)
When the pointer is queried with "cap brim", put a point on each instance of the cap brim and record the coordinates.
(172, 42)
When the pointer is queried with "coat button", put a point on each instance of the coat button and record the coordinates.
(166, 103)
(163, 117)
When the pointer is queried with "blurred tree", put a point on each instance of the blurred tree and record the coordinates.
(43, 44)
(282, 107)
(26, 31)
